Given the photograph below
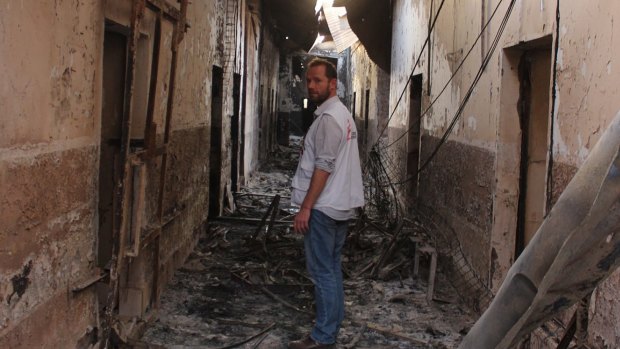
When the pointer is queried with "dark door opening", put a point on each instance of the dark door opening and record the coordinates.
(354, 99)
(273, 118)
(533, 108)
(359, 126)
(414, 134)
(242, 132)
(234, 133)
(366, 115)
(113, 102)
(215, 154)
(307, 115)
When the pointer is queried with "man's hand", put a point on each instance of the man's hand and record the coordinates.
(301, 221)
(317, 183)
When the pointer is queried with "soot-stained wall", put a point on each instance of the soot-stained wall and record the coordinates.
(50, 139)
(473, 181)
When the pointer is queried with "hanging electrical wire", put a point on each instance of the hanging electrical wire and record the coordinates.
(468, 95)
(384, 169)
(426, 41)
(458, 68)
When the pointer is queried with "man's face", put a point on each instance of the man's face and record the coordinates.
(320, 88)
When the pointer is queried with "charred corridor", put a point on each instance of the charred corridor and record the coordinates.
(245, 284)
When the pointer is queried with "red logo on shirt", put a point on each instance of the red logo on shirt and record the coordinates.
(348, 130)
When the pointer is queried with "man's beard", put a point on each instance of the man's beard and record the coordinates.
(319, 98)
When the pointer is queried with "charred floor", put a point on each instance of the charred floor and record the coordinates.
(245, 284)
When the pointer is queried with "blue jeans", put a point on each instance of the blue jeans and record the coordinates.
(323, 246)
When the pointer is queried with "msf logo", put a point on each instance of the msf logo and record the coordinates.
(350, 134)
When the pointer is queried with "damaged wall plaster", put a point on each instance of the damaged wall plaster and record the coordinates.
(366, 75)
(51, 104)
(264, 97)
(49, 156)
(486, 134)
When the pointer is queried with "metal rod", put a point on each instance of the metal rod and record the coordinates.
(234, 345)
(177, 36)
(272, 206)
(139, 191)
(137, 13)
(248, 220)
(570, 332)
(150, 131)
(274, 213)
(237, 194)
(81, 286)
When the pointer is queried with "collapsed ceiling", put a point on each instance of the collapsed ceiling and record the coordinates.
(370, 20)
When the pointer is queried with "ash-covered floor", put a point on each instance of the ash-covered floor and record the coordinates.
(247, 287)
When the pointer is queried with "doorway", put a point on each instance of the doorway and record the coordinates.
(113, 104)
(533, 107)
(366, 116)
(234, 133)
(215, 154)
(413, 136)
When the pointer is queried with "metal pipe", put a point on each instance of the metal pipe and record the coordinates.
(575, 249)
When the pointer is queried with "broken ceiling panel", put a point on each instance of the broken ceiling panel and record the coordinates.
(339, 27)
(372, 23)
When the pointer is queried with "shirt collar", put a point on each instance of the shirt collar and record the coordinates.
(325, 105)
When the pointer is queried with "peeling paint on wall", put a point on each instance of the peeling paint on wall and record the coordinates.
(20, 282)
(584, 104)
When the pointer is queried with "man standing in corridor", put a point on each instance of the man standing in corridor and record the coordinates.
(328, 189)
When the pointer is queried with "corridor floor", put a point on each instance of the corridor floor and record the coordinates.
(248, 288)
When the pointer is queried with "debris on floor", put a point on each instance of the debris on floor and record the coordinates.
(245, 285)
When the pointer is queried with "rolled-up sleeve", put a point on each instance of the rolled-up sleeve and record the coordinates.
(327, 143)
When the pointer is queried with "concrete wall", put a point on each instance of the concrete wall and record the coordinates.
(51, 73)
(480, 202)
(186, 191)
(265, 95)
(367, 76)
(587, 87)
(252, 129)
(461, 193)
(51, 102)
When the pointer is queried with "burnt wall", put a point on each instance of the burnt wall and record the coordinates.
(554, 42)
(47, 246)
(49, 97)
(562, 174)
(185, 196)
(265, 79)
(368, 98)
(50, 143)
(462, 193)
(187, 176)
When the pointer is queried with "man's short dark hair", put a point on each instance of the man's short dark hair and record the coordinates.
(330, 68)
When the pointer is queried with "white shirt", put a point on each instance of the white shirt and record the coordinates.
(331, 145)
